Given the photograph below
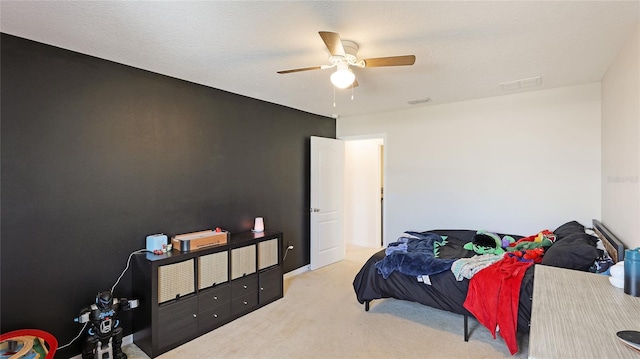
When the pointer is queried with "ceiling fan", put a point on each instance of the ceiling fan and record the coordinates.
(344, 54)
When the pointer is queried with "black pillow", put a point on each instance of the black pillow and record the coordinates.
(568, 229)
(575, 251)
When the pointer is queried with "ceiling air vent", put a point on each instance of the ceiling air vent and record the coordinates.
(420, 100)
(520, 84)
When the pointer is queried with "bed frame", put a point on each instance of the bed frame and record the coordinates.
(612, 244)
(614, 247)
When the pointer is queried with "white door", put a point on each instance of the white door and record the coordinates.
(327, 194)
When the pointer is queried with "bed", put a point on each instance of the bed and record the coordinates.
(574, 247)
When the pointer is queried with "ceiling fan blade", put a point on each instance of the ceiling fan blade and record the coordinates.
(390, 61)
(333, 43)
(300, 69)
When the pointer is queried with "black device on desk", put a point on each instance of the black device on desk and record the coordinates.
(630, 338)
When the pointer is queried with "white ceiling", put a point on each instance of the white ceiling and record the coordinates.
(463, 49)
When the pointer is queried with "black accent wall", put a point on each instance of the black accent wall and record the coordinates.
(97, 155)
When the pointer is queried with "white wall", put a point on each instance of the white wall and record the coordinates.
(517, 163)
(620, 143)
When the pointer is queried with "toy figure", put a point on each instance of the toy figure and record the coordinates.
(105, 333)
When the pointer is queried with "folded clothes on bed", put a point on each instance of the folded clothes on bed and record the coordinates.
(419, 258)
(468, 267)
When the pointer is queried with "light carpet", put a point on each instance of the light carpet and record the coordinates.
(319, 317)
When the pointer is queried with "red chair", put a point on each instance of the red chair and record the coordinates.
(49, 339)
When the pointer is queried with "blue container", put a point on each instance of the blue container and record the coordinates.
(632, 272)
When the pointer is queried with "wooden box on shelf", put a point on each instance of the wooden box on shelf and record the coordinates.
(199, 240)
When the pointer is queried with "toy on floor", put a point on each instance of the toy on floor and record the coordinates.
(28, 344)
(104, 336)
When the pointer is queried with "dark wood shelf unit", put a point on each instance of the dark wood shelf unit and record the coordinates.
(186, 294)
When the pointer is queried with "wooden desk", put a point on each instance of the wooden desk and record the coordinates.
(577, 314)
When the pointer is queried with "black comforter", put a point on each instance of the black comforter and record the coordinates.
(445, 292)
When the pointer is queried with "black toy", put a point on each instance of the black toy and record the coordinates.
(104, 336)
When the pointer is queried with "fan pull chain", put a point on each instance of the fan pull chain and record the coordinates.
(334, 96)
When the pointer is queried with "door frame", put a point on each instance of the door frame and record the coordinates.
(385, 146)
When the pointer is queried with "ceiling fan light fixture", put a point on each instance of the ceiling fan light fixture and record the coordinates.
(343, 77)
(344, 53)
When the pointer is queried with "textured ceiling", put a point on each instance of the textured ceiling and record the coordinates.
(463, 49)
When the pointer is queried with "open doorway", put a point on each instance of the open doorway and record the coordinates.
(364, 191)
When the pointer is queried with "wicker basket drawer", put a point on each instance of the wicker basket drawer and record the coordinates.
(175, 280)
(267, 253)
(243, 261)
(213, 269)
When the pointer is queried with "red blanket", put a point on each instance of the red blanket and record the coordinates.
(493, 297)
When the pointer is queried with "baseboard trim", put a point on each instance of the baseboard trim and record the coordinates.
(125, 341)
(296, 272)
